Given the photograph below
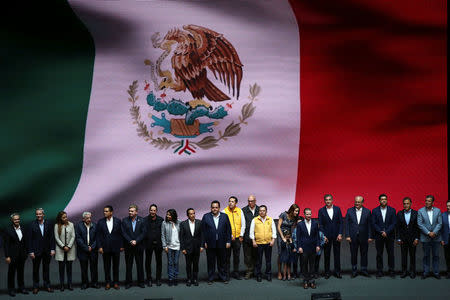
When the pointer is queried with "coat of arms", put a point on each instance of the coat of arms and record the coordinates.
(192, 123)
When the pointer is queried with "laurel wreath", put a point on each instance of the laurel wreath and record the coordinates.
(206, 143)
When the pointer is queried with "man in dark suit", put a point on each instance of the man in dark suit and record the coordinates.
(408, 235)
(153, 243)
(16, 254)
(384, 221)
(86, 237)
(110, 244)
(216, 230)
(41, 246)
(359, 234)
(250, 212)
(331, 224)
(445, 234)
(191, 245)
(133, 231)
(308, 244)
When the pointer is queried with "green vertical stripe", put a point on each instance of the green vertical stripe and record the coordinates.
(47, 64)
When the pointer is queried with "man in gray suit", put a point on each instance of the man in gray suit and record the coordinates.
(429, 221)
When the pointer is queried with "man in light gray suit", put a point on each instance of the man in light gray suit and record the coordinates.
(429, 221)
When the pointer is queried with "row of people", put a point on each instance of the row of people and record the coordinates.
(222, 234)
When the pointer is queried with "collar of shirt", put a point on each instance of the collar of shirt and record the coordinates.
(87, 226)
(358, 209)
(329, 208)
(262, 219)
(191, 222)
(383, 208)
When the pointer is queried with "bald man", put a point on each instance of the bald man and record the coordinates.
(250, 253)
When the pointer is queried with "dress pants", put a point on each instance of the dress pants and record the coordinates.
(432, 247)
(65, 265)
(317, 262)
(447, 256)
(192, 260)
(113, 257)
(236, 250)
(406, 248)
(380, 244)
(250, 256)
(363, 247)
(264, 250)
(137, 255)
(336, 255)
(92, 263)
(148, 261)
(308, 267)
(16, 267)
(45, 258)
(214, 255)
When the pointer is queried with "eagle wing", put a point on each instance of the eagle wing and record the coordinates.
(218, 54)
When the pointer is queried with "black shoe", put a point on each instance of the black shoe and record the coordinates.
(175, 282)
(188, 283)
(12, 293)
(437, 276)
(170, 283)
(379, 275)
(158, 282)
(210, 282)
(195, 282)
(392, 274)
(149, 283)
(127, 286)
(69, 287)
(338, 275)
(83, 286)
(326, 276)
(258, 278)
(226, 281)
(448, 276)
(404, 274)
(412, 275)
(269, 277)
(23, 291)
(61, 288)
(365, 274)
(424, 276)
(95, 286)
(354, 274)
(141, 285)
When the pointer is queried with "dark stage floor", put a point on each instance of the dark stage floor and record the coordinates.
(358, 288)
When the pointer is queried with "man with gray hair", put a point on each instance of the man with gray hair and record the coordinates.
(86, 237)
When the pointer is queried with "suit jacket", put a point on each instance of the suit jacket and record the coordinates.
(423, 221)
(216, 238)
(445, 230)
(81, 237)
(153, 232)
(249, 216)
(110, 242)
(410, 232)
(363, 230)
(13, 247)
(387, 226)
(191, 243)
(331, 228)
(308, 241)
(138, 234)
(37, 243)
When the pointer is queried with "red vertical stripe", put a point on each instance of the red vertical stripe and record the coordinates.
(373, 101)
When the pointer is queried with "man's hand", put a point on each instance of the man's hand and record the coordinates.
(383, 234)
(66, 249)
(121, 249)
(233, 238)
(166, 250)
(52, 253)
(206, 246)
(227, 245)
(32, 255)
(89, 248)
(271, 243)
(339, 238)
(416, 242)
(317, 249)
(300, 250)
(241, 238)
(133, 243)
(370, 240)
(255, 245)
(294, 250)
(8, 260)
(432, 235)
(349, 239)
(326, 239)
(284, 240)
(399, 242)
(201, 249)
(442, 243)
(100, 250)
(184, 252)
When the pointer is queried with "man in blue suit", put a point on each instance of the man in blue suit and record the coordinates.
(384, 220)
(86, 237)
(429, 220)
(134, 232)
(308, 244)
(359, 234)
(331, 225)
(446, 237)
(110, 244)
(41, 248)
(216, 229)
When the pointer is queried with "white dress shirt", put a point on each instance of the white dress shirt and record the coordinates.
(358, 214)
(87, 230)
(252, 228)
(192, 227)
(252, 210)
(430, 215)
(308, 226)
(330, 212)
(216, 220)
(383, 213)
(18, 232)
(109, 224)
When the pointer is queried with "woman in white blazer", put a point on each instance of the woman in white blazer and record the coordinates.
(65, 248)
